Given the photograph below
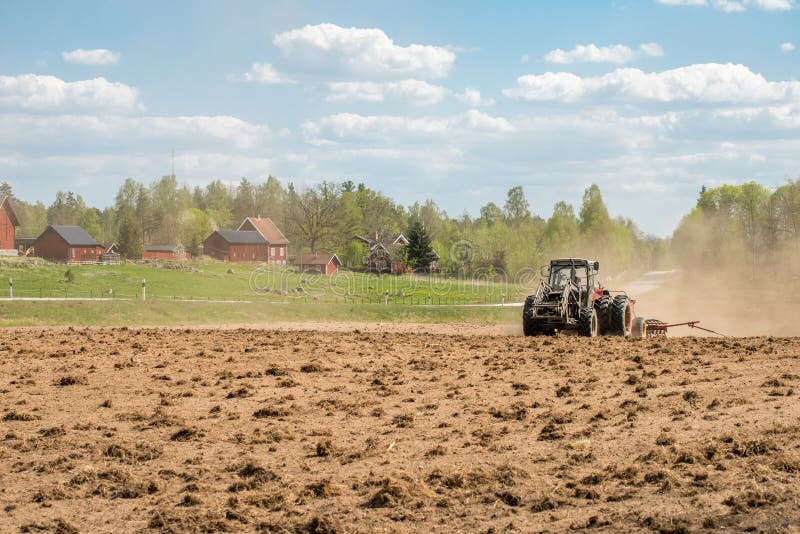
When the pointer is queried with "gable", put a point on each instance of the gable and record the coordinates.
(266, 228)
(5, 203)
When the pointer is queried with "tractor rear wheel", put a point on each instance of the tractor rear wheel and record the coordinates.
(587, 322)
(621, 316)
(528, 324)
(638, 328)
(602, 307)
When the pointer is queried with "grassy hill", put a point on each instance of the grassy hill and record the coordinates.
(253, 293)
(222, 281)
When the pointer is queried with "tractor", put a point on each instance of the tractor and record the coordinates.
(570, 298)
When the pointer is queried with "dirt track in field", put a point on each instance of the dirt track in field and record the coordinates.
(354, 431)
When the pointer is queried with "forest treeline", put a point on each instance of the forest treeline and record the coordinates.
(740, 224)
(747, 230)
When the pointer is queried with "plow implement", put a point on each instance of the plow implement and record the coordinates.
(656, 328)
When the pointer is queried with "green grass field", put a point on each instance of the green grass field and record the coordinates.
(262, 295)
(254, 282)
(175, 313)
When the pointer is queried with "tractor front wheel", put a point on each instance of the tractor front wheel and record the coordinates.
(621, 316)
(529, 327)
(587, 322)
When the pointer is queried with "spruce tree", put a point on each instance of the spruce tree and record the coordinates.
(130, 238)
(419, 247)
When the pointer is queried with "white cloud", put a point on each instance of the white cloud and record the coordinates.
(39, 92)
(360, 53)
(735, 6)
(602, 54)
(473, 98)
(651, 49)
(683, 2)
(702, 83)
(416, 92)
(644, 187)
(787, 47)
(729, 6)
(554, 155)
(774, 5)
(265, 73)
(98, 56)
(350, 127)
(132, 133)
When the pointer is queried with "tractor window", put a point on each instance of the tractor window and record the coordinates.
(581, 276)
(559, 275)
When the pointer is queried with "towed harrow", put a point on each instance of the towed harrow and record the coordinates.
(656, 328)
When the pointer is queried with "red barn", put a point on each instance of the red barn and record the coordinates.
(70, 244)
(276, 241)
(317, 263)
(8, 224)
(165, 253)
(236, 246)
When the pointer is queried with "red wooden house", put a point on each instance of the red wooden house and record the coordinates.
(8, 224)
(317, 263)
(70, 244)
(165, 253)
(276, 241)
(236, 246)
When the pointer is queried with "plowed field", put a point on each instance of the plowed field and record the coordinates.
(118, 430)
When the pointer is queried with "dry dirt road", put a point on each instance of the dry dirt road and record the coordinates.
(367, 431)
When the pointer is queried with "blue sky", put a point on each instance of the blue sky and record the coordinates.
(452, 101)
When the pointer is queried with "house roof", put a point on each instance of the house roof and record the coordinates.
(316, 259)
(5, 201)
(75, 236)
(242, 237)
(389, 239)
(267, 229)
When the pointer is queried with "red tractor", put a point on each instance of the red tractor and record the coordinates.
(570, 297)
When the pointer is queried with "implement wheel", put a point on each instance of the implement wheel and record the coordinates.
(638, 329)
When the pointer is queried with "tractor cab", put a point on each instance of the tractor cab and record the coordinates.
(582, 274)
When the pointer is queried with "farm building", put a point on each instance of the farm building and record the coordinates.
(112, 255)
(165, 253)
(8, 225)
(71, 244)
(257, 239)
(317, 263)
(275, 239)
(236, 246)
(386, 253)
